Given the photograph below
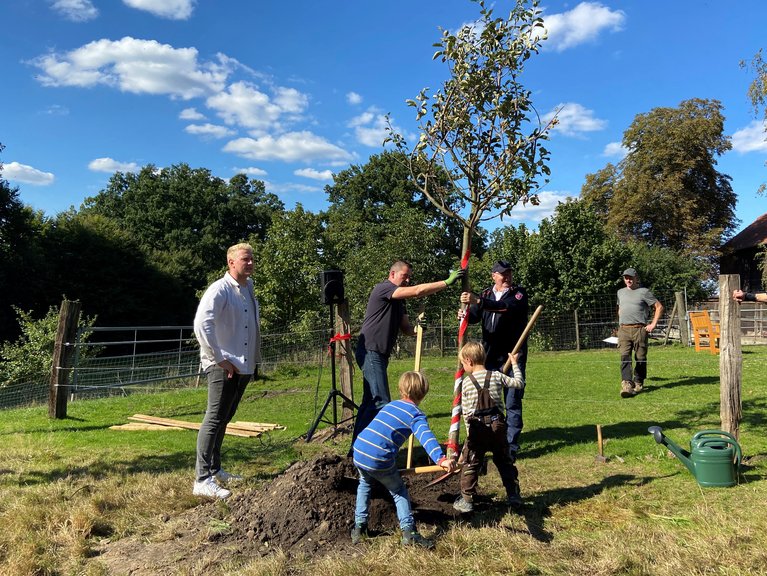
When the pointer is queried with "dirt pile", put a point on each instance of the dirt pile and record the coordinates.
(309, 509)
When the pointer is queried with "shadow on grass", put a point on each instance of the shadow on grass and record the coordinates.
(164, 463)
(538, 508)
(542, 441)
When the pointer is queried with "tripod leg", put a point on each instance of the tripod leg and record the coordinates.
(328, 400)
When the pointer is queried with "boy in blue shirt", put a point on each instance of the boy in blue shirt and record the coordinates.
(375, 452)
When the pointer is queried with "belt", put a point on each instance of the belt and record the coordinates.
(632, 325)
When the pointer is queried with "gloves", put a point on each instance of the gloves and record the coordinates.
(455, 275)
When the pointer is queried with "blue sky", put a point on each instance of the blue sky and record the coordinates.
(291, 92)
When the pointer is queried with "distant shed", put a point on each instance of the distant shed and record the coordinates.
(742, 254)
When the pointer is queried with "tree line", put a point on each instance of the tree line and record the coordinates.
(141, 251)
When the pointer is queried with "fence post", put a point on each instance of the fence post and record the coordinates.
(577, 333)
(730, 357)
(681, 308)
(345, 354)
(69, 317)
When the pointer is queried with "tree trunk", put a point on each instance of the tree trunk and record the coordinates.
(730, 356)
(454, 433)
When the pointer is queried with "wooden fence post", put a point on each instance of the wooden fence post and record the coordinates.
(681, 309)
(345, 355)
(730, 356)
(63, 351)
(577, 333)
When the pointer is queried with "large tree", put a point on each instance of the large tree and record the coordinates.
(185, 218)
(20, 257)
(667, 190)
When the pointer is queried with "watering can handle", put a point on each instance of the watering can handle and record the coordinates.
(703, 433)
(738, 453)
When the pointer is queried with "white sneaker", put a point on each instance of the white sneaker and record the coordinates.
(225, 477)
(210, 489)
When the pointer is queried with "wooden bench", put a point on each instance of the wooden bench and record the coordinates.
(704, 329)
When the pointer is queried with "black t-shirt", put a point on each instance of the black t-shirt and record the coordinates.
(383, 318)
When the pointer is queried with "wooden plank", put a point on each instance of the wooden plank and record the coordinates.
(257, 426)
(189, 425)
(143, 426)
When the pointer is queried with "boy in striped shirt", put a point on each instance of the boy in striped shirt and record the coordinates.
(375, 453)
(485, 425)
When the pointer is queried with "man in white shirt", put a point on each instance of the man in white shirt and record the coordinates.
(227, 328)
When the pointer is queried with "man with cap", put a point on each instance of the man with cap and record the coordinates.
(634, 303)
(502, 309)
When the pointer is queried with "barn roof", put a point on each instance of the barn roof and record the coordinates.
(751, 236)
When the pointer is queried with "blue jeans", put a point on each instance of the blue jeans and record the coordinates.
(375, 386)
(224, 395)
(392, 481)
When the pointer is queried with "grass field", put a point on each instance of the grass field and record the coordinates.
(67, 484)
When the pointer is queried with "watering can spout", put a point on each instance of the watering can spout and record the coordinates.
(682, 454)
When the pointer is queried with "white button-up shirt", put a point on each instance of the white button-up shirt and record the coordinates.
(227, 325)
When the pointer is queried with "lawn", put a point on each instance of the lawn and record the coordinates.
(69, 484)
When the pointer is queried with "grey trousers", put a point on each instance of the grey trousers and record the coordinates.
(224, 395)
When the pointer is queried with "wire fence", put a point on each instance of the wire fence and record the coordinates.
(125, 360)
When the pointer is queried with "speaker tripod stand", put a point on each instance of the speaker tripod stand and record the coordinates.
(334, 393)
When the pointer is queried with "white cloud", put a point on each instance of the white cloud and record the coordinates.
(529, 213)
(138, 66)
(287, 187)
(752, 138)
(245, 105)
(207, 129)
(581, 24)
(370, 128)
(290, 147)
(26, 174)
(171, 9)
(56, 110)
(615, 149)
(76, 10)
(574, 119)
(191, 114)
(314, 174)
(353, 98)
(251, 171)
(109, 165)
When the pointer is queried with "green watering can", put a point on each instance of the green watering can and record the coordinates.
(714, 456)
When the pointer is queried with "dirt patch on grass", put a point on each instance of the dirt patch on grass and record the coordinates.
(307, 510)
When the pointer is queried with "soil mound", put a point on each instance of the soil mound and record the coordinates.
(310, 508)
(307, 510)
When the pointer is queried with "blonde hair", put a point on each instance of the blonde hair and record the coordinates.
(413, 385)
(232, 252)
(472, 352)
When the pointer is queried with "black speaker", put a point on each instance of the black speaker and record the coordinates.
(332, 286)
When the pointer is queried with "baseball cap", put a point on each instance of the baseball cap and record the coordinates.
(501, 266)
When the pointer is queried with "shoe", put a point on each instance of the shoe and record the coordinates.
(413, 538)
(638, 387)
(210, 489)
(359, 533)
(514, 498)
(463, 505)
(627, 388)
(225, 477)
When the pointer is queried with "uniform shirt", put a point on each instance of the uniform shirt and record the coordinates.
(377, 445)
(226, 325)
(498, 381)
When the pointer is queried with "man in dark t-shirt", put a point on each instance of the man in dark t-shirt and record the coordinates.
(385, 317)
